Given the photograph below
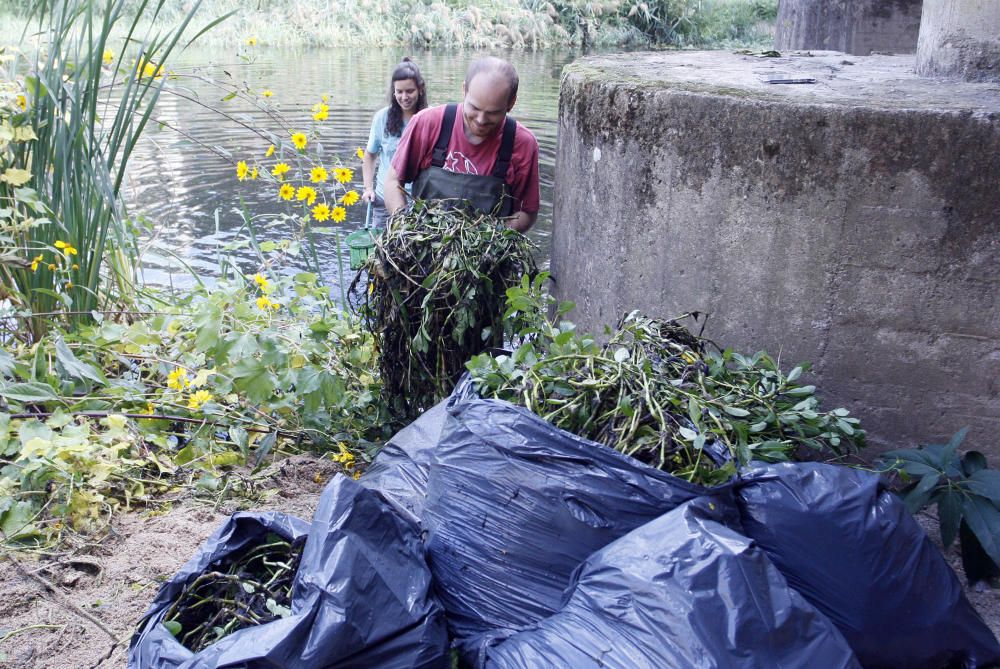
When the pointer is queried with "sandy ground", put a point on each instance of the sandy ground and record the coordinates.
(99, 595)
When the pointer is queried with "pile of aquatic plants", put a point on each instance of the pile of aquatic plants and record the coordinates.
(436, 283)
(659, 393)
(254, 588)
(109, 414)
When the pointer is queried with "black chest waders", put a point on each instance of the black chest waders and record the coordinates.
(486, 193)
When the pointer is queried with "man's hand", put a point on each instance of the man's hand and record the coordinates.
(395, 198)
(522, 221)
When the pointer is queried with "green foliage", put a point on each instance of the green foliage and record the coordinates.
(966, 492)
(84, 107)
(486, 24)
(91, 420)
(656, 392)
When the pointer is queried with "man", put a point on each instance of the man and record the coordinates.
(472, 151)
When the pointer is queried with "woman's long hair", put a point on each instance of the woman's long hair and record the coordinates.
(407, 69)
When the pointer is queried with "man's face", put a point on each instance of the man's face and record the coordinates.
(485, 104)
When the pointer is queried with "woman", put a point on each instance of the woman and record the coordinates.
(407, 96)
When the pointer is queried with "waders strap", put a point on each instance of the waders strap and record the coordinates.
(506, 149)
(441, 147)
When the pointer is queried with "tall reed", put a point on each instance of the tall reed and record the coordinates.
(88, 104)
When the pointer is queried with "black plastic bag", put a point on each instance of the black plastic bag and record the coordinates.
(514, 505)
(682, 591)
(399, 471)
(361, 597)
(850, 547)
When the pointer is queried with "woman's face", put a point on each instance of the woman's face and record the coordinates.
(406, 93)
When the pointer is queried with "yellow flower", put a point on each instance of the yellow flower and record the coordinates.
(280, 169)
(286, 191)
(343, 174)
(253, 173)
(307, 193)
(321, 112)
(356, 475)
(60, 244)
(66, 247)
(108, 57)
(52, 267)
(150, 409)
(350, 197)
(267, 93)
(261, 281)
(242, 170)
(299, 140)
(270, 151)
(338, 214)
(345, 457)
(69, 285)
(34, 262)
(251, 41)
(321, 212)
(359, 152)
(178, 379)
(264, 303)
(325, 97)
(317, 175)
(75, 266)
(22, 101)
(198, 398)
(150, 69)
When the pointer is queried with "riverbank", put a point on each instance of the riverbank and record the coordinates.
(525, 24)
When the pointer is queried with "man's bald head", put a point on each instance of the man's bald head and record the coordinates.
(495, 68)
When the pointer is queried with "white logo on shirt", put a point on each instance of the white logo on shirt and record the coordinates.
(458, 162)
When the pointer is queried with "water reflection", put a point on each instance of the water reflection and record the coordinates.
(183, 179)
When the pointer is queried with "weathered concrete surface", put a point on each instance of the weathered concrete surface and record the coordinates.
(852, 222)
(960, 38)
(859, 27)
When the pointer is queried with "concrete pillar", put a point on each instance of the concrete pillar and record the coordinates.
(833, 222)
(960, 38)
(858, 27)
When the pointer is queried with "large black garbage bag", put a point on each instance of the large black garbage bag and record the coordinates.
(361, 596)
(514, 505)
(682, 591)
(851, 548)
(399, 471)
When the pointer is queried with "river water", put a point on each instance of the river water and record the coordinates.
(182, 176)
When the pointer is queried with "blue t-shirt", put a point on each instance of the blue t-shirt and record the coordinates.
(382, 144)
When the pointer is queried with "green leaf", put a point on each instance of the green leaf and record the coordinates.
(794, 374)
(7, 363)
(736, 411)
(173, 627)
(972, 462)
(17, 523)
(949, 516)
(74, 368)
(32, 391)
(253, 379)
(985, 483)
(621, 355)
(983, 518)
(917, 498)
(266, 444)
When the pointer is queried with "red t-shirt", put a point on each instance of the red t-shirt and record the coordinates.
(416, 149)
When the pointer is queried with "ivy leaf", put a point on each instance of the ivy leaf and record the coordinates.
(74, 367)
(253, 379)
(32, 391)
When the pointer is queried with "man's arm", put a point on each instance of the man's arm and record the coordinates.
(522, 221)
(395, 196)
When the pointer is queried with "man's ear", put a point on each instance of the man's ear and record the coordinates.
(510, 105)
(463, 90)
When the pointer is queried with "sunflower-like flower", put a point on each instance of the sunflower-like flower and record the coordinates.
(350, 197)
(307, 193)
(299, 140)
(286, 192)
(338, 214)
(318, 175)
